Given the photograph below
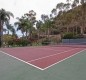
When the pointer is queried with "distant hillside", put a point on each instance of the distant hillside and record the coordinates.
(73, 20)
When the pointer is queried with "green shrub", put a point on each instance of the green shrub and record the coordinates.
(68, 36)
(11, 42)
(46, 42)
(78, 36)
(25, 42)
(18, 42)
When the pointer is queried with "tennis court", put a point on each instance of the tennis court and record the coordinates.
(43, 63)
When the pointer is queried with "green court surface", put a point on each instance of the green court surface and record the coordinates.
(73, 68)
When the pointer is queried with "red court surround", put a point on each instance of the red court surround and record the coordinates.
(42, 57)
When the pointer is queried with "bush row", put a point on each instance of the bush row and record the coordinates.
(19, 42)
(72, 36)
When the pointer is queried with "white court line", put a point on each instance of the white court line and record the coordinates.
(51, 55)
(63, 59)
(50, 49)
(21, 60)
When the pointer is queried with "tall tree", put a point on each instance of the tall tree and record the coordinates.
(47, 24)
(75, 3)
(54, 12)
(83, 7)
(31, 17)
(9, 28)
(4, 19)
(39, 26)
(22, 25)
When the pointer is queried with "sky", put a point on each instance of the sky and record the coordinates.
(19, 7)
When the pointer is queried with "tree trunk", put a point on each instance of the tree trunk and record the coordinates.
(38, 34)
(22, 34)
(26, 35)
(30, 36)
(67, 29)
(83, 18)
(48, 35)
(82, 31)
(1, 34)
(0, 38)
(73, 31)
(30, 33)
(76, 30)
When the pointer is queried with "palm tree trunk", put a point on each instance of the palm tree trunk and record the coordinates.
(26, 35)
(30, 33)
(48, 35)
(82, 31)
(76, 30)
(30, 36)
(1, 34)
(73, 31)
(8, 32)
(67, 29)
(22, 34)
(38, 34)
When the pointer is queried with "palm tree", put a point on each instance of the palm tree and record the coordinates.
(47, 24)
(4, 19)
(31, 19)
(22, 24)
(44, 18)
(11, 29)
(26, 23)
(38, 26)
